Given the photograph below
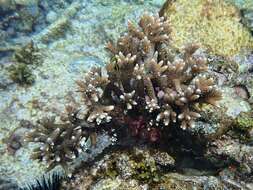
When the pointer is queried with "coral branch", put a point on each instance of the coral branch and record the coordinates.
(137, 89)
(59, 143)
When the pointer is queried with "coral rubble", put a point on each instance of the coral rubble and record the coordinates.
(138, 90)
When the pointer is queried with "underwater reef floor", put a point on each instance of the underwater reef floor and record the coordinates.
(71, 41)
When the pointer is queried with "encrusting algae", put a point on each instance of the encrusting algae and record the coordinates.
(138, 90)
(214, 24)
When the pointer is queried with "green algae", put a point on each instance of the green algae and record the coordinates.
(141, 167)
(111, 170)
(146, 171)
(244, 121)
(242, 126)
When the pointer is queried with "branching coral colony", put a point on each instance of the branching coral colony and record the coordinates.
(137, 89)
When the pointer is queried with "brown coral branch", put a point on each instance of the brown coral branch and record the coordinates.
(60, 143)
(137, 89)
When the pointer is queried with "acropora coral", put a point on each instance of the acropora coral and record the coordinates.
(139, 89)
(214, 24)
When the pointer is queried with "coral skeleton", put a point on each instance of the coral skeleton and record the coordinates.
(136, 89)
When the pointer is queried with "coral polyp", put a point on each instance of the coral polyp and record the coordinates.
(137, 89)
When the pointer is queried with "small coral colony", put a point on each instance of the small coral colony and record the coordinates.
(142, 89)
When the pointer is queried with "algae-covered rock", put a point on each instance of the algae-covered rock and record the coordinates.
(58, 28)
(116, 184)
(21, 74)
(22, 18)
(125, 169)
(244, 121)
(243, 127)
(213, 24)
(246, 8)
(227, 150)
(6, 5)
(29, 54)
(176, 181)
(241, 4)
(242, 81)
(234, 104)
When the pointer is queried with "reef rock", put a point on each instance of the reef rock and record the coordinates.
(213, 24)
